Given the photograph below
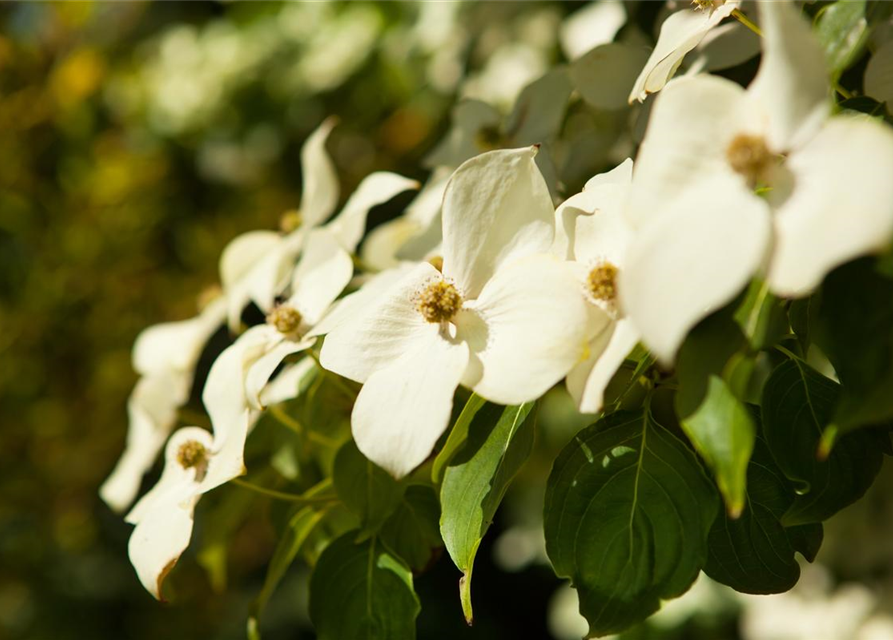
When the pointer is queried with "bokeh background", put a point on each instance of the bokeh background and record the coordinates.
(137, 139)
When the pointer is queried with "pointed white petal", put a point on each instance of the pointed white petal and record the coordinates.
(351, 307)
(692, 259)
(163, 517)
(691, 126)
(382, 332)
(496, 208)
(152, 412)
(319, 191)
(588, 380)
(841, 206)
(258, 373)
(621, 174)
(320, 276)
(243, 252)
(176, 345)
(529, 327)
(680, 33)
(248, 271)
(377, 188)
(405, 406)
(225, 400)
(382, 243)
(791, 87)
(288, 384)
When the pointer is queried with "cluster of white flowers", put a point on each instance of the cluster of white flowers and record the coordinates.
(509, 295)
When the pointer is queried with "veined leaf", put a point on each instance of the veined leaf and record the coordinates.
(497, 444)
(628, 510)
(360, 590)
(843, 31)
(412, 530)
(364, 487)
(798, 404)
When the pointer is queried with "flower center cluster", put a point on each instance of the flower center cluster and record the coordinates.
(439, 301)
(193, 455)
(703, 5)
(290, 221)
(285, 318)
(749, 156)
(602, 282)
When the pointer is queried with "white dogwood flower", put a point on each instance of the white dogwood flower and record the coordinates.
(680, 33)
(502, 317)
(255, 266)
(592, 230)
(233, 391)
(729, 182)
(165, 356)
(195, 463)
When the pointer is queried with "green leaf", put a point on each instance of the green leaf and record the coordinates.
(459, 433)
(755, 553)
(723, 432)
(807, 539)
(412, 531)
(761, 316)
(803, 314)
(300, 525)
(628, 509)
(843, 31)
(798, 403)
(360, 590)
(475, 480)
(364, 487)
(855, 330)
(706, 352)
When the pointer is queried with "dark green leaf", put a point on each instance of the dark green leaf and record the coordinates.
(412, 531)
(364, 487)
(705, 352)
(761, 316)
(299, 527)
(798, 403)
(360, 590)
(807, 539)
(855, 330)
(843, 31)
(628, 510)
(723, 432)
(755, 553)
(803, 314)
(498, 443)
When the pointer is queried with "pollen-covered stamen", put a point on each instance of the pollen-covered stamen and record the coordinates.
(749, 156)
(436, 262)
(704, 5)
(192, 454)
(290, 221)
(602, 282)
(285, 318)
(439, 301)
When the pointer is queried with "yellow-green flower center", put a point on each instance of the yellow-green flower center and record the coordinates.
(285, 318)
(439, 301)
(602, 282)
(749, 156)
(701, 5)
(290, 221)
(192, 454)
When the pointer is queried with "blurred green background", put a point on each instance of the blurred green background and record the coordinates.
(137, 139)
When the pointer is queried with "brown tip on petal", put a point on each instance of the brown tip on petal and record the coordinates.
(161, 576)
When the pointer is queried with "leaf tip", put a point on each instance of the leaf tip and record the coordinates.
(465, 598)
(829, 438)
